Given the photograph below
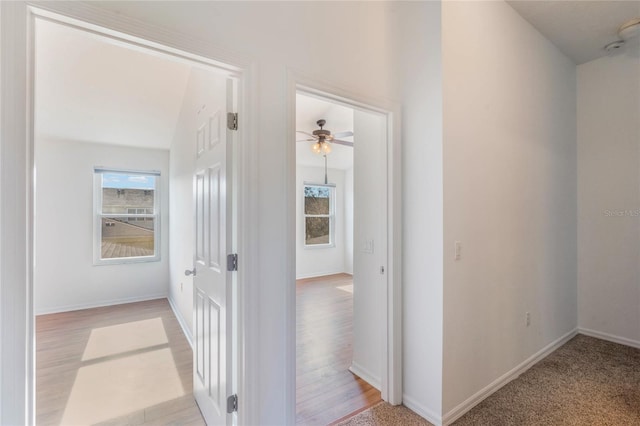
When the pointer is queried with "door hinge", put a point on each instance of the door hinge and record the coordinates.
(232, 120)
(232, 403)
(232, 262)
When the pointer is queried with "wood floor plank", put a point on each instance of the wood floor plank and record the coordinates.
(61, 342)
(325, 388)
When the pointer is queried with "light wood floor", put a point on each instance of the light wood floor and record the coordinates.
(325, 389)
(117, 365)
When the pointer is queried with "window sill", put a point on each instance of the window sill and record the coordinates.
(319, 246)
(125, 260)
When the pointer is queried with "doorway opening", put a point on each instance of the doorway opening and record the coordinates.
(130, 143)
(341, 258)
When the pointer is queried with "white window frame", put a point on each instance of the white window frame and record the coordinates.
(331, 216)
(98, 215)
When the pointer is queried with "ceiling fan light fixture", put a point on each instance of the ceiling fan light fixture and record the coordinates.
(322, 137)
(629, 29)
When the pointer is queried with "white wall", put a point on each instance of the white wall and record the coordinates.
(205, 94)
(65, 277)
(417, 28)
(609, 197)
(348, 221)
(318, 261)
(509, 195)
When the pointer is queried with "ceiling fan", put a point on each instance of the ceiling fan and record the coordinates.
(322, 137)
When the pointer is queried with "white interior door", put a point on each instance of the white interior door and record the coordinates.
(212, 307)
(370, 249)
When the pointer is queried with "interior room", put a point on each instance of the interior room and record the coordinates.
(331, 380)
(115, 134)
(508, 197)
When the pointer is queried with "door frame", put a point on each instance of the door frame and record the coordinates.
(391, 374)
(17, 50)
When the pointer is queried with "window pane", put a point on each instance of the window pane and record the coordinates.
(317, 230)
(122, 238)
(316, 200)
(127, 193)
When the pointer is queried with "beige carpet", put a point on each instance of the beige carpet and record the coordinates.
(387, 415)
(586, 382)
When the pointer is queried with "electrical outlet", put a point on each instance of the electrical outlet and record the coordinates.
(527, 319)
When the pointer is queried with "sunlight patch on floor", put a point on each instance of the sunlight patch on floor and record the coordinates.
(122, 338)
(117, 387)
(347, 288)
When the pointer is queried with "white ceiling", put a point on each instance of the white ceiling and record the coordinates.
(92, 90)
(580, 29)
(339, 119)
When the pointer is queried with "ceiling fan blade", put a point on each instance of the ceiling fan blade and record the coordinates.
(306, 140)
(343, 134)
(340, 142)
(306, 133)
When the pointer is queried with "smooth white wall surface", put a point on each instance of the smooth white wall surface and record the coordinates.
(318, 261)
(509, 195)
(417, 28)
(65, 277)
(205, 94)
(609, 197)
(369, 240)
(348, 221)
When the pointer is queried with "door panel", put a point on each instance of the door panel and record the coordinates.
(200, 315)
(369, 243)
(211, 384)
(214, 218)
(200, 217)
(214, 372)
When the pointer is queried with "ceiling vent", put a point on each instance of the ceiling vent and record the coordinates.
(614, 47)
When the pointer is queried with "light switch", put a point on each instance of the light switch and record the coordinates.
(367, 247)
(457, 250)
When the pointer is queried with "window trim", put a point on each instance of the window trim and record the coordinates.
(98, 216)
(331, 216)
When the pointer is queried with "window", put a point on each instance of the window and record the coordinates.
(127, 219)
(318, 215)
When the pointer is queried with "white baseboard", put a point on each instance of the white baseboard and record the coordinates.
(609, 337)
(421, 410)
(81, 306)
(319, 274)
(181, 321)
(482, 394)
(365, 375)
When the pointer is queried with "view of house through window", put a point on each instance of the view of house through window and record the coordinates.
(128, 215)
(318, 212)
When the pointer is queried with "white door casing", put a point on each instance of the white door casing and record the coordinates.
(212, 308)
